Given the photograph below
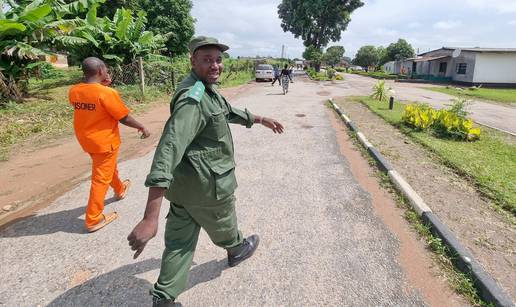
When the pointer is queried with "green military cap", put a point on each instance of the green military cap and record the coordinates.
(200, 41)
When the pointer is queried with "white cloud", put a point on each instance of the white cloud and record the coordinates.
(249, 27)
(500, 6)
(253, 27)
(446, 25)
(385, 32)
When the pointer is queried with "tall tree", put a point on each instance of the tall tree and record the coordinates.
(317, 22)
(171, 18)
(314, 55)
(399, 51)
(333, 55)
(367, 56)
(382, 55)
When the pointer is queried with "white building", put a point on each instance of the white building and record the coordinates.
(389, 67)
(472, 66)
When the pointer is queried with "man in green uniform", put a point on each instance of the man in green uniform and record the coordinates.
(193, 168)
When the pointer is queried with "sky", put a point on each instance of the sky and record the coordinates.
(252, 27)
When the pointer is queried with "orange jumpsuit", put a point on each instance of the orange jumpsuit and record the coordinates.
(97, 110)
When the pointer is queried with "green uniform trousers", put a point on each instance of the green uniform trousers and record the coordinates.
(181, 233)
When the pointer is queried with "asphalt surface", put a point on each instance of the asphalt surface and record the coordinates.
(491, 114)
(321, 243)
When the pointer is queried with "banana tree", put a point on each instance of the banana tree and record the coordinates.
(118, 40)
(30, 29)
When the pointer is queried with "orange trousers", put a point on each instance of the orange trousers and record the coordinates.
(104, 173)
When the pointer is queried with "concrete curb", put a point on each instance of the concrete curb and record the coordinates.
(486, 285)
(488, 289)
(417, 203)
(385, 166)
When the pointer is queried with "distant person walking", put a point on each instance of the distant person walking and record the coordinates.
(97, 111)
(285, 72)
(276, 75)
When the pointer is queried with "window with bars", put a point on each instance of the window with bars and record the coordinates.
(461, 68)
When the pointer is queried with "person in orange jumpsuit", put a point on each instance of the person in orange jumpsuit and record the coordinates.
(97, 111)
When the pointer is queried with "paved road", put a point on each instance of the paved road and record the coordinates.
(321, 245)
(490, 114)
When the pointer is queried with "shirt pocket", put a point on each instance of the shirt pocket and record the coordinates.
(217, 127)
(223, 172)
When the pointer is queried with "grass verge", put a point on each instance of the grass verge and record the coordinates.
(489, 162)
(461, 283)
(236, 78)
(47, 114)
(378, 75)
(318, 76)
(504, 95)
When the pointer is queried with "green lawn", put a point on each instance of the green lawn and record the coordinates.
(505, 95)
(490, 162)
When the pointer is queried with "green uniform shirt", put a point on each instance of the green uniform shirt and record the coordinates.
(194, 159)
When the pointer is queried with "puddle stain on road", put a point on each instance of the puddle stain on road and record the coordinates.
(323, 93)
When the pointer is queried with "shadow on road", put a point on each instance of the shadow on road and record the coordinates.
(122, 288)
(206, 272)
(36, 225)
(117, 288)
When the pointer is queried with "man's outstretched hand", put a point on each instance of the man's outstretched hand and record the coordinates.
(272, 124)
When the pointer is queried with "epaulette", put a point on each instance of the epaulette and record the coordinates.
(197, 91)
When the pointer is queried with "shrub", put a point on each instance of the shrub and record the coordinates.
(44, 70)
(379, 91)
(339, 77)
(311, 72)
(451, 123)
(330, 72)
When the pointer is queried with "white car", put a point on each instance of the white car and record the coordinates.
(264, 72)
(357, 68)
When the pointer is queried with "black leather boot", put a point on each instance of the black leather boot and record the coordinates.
(243, 251)
(163, 302)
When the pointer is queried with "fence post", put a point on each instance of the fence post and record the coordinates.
(172, 72)
(142, 75)
(173, 79)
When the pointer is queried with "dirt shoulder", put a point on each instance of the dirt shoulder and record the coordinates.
(415, 260)
(486, 233)
(37, 174)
